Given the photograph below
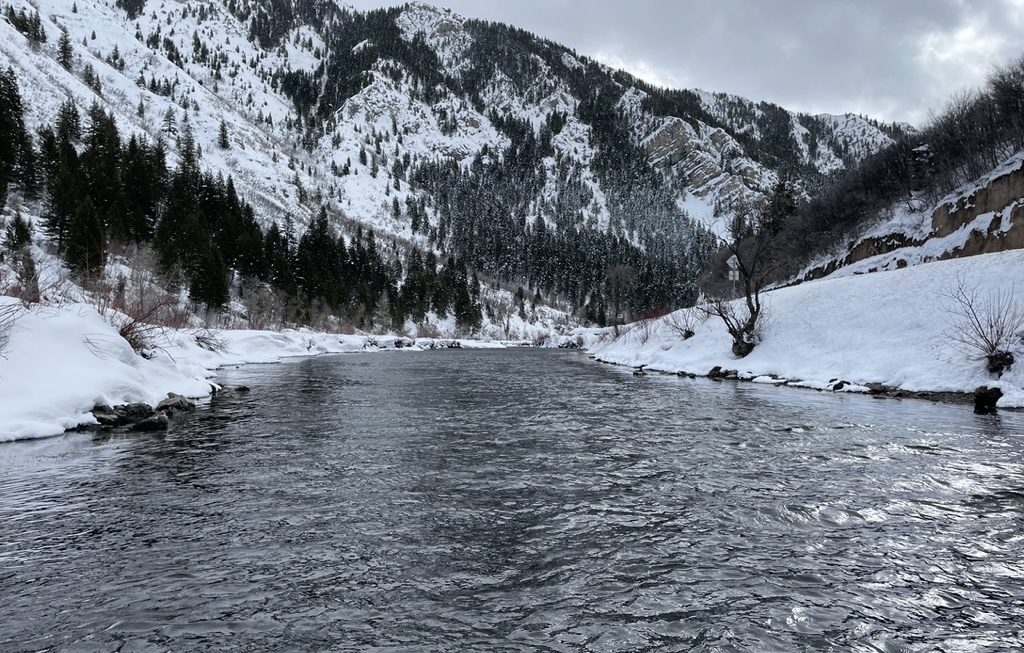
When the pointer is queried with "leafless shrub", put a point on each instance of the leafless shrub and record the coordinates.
(985, 325)
(210, 340)
(647, 322)
(427, 331)
(643, 328)
(32, 286)
(9, 314)
(264, 308)
(683, 324)
(746, 328)
(139, 309)
(26, 278)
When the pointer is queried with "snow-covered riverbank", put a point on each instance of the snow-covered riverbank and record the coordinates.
(62, 361)
(892, 328)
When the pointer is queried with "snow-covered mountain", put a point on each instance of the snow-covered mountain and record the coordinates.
(459, 136)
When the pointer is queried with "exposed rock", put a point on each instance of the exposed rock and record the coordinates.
(153, 424)
(107, 419)
(242, 389)
(718, 373)
(121, 415)
(878, 388)
(176, 404)
(639, 371)
(839, 386)
(985, 399)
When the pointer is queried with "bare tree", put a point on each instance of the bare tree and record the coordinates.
(619, 284)
(985, 326)
(751, 246)
(9, 314)
(684, 323)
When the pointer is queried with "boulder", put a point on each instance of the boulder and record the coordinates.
(985, 400)
(176, 404)
(106, 418)
(153, 424)
(878, 388)
(134, 412)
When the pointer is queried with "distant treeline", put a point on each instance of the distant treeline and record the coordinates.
(99, 192)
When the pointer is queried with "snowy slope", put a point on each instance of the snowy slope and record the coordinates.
(826, 142)
(216, 71)
(890, 327)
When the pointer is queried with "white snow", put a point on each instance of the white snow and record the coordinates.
(62, 361)
(889, 327)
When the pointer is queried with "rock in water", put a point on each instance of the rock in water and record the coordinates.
(176, 404)
(122, 415)
(985, 400)
(156, 423)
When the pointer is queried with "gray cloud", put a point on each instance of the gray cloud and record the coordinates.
(891, 59)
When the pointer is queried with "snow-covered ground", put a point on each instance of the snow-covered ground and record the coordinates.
(893, 328)
(61, 361)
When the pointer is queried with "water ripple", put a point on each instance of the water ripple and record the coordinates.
(514, 501)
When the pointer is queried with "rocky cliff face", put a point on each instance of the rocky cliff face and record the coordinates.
(982, 217)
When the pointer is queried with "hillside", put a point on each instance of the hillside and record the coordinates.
(530, 164)
(891, 332)
(901, 277)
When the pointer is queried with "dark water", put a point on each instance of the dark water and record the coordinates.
(523, 500)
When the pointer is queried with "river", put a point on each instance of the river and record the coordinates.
(518, 500)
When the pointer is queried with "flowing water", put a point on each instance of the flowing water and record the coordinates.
(518, 500)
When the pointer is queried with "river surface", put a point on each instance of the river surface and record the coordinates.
(518, 501)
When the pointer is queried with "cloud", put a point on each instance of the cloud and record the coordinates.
(891, 60)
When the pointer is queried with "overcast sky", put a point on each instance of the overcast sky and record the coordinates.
(891, 59)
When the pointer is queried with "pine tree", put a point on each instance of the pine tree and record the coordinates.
(87, 243)
(211, 284)
(222, 139)
(12, 130)
(65, 51)
(18, 234)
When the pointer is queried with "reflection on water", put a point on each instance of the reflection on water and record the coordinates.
(519, 500)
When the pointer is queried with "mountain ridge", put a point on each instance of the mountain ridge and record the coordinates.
(354, 110)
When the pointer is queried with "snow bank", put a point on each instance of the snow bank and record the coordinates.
(62, 361)
(887, 327)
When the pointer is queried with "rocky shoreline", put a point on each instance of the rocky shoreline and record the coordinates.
(984, 398)
(144, 418)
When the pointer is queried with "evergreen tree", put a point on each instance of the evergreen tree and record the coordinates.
(222, 138)
(12, 130)
(211, 284)
(65, 50)
(18, 234)
(87, 244)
